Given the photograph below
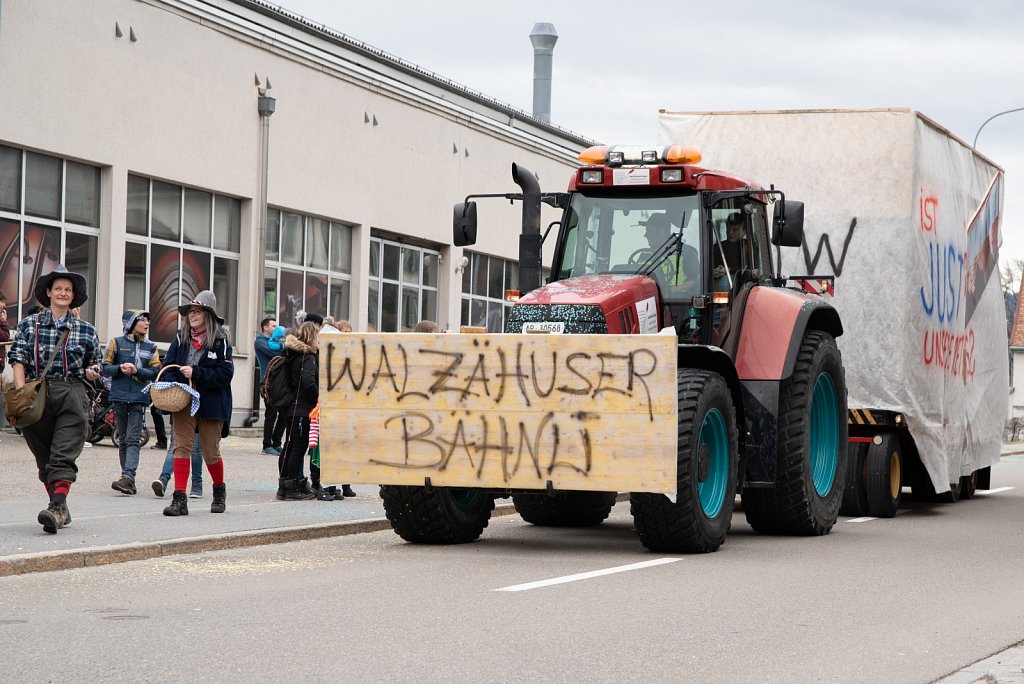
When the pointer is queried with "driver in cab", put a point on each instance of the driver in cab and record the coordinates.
(680, 268)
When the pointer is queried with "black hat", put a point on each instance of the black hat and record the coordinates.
(205, 299)
(314, 318)
(45, 282)
(659, 220)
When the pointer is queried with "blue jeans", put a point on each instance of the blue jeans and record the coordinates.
(197, 461)
(129, 419)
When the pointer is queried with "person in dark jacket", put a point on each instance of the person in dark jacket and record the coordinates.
(203, 352)
(274, 423)
(302, 352)
(131, 362)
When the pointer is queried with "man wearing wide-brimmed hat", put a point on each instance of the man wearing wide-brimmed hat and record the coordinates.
(203, 353)
(56, 439)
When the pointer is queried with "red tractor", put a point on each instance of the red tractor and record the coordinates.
(649, 241)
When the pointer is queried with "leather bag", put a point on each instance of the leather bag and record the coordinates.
(24, 405)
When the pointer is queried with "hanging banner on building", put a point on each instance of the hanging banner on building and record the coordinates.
(499, 411)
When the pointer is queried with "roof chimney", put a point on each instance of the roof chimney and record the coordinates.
(543, 37)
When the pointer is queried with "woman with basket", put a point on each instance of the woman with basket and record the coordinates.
(200, 356)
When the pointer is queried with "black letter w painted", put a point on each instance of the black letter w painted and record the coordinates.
(823, 242)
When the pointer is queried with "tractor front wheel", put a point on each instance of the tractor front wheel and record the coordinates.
(436, 515)
(707, 456)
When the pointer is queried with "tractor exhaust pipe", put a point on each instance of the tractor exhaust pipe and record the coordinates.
(530, 241)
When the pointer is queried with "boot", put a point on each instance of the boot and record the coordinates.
(280, 488)
(54, 517)
(125, 485)
(297, 490)
(346, 490)
(179, 504)
(220, 495)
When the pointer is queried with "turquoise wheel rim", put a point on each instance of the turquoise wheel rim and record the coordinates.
(824, 440)
(715, 437)
(465, 499)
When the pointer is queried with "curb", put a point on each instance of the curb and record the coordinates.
(84, 558)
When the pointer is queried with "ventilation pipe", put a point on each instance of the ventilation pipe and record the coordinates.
(543, 37)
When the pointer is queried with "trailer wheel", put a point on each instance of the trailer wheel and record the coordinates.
(812, 437)
(438, 515)
(953, 495)
(855, 495)
(884, 469)
(969, 485)
(565, 509)
(707, 458)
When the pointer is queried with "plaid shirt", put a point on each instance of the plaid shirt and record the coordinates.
(81, 350)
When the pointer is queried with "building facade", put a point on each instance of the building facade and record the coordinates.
(131, 149)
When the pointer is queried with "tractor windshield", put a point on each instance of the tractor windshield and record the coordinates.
(655, 235)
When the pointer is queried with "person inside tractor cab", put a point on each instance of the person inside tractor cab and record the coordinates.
(680, 267)
(733, 253)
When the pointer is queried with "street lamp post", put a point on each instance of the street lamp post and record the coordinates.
(1008, 111)
(265, 105)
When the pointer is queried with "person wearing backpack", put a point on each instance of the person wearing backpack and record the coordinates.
(302, 363)
(203, 353)
(131, 362)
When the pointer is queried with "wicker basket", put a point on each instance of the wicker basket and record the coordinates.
(171, 399)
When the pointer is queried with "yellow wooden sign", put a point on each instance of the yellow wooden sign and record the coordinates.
(595, 412)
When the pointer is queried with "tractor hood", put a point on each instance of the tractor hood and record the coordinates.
(598, 304)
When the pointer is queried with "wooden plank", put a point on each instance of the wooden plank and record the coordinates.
(583, 412)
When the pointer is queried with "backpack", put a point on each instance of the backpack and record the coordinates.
(276, 388)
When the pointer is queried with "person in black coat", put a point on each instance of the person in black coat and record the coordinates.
(302, 353)
(203, 352)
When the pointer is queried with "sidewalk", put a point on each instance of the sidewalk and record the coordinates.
(109, 527)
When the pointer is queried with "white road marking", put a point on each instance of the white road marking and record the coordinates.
(864, 519)
(588, 575)
(986, 492)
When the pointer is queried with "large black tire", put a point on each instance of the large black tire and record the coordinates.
(811, 448)
(438, 515)
(969, 485)
(855, 495)
(884, 481)
(707, 457)
(565, 509)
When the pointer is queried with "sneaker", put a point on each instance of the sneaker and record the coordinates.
(271, 451)
(197, 491)
(125, 485)
(87, 445)
(160, 486)
(160, 445)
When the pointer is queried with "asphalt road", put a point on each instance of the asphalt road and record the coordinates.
(905, 600)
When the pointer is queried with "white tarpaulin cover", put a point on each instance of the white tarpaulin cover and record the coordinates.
(906, 217)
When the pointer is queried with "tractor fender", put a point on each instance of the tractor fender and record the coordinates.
(774, 323)
(717, 360)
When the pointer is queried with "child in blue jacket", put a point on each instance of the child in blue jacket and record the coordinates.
(131, 362)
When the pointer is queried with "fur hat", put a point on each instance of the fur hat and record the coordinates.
(45, 282)
(130, 317)
(205, 299)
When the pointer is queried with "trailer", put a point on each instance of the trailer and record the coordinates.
(905, 217)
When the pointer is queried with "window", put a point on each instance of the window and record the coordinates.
(308, 267)
(403, 285)
(49, 214)
(484, 281)
(190, 244)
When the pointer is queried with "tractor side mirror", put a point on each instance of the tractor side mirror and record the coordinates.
(788, 224)
(464, 224)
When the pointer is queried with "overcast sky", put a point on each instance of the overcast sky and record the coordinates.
(617, 63)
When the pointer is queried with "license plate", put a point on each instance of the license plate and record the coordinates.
(542, 327)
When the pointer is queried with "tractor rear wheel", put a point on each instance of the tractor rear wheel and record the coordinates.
(565, 509)
(707, 456)
(436, 515)
(811, 449)
(884, 470)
